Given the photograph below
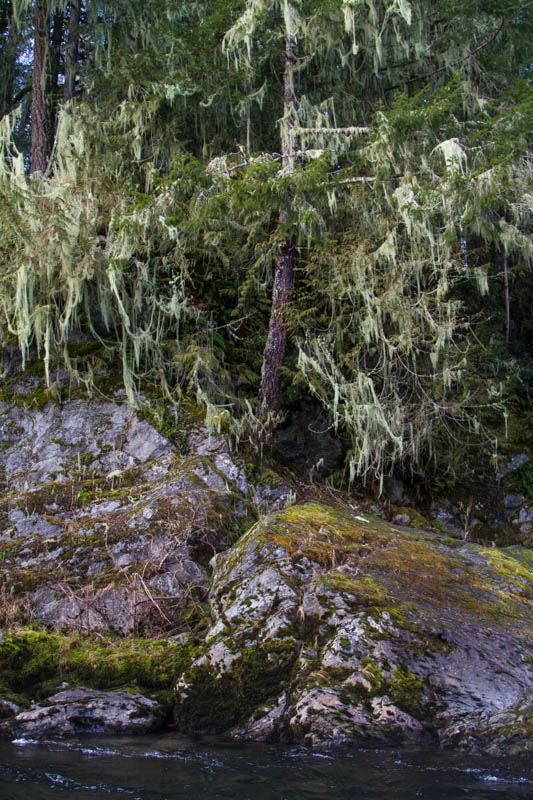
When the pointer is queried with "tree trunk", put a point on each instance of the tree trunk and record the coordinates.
(39, 116)
(274, 354)
(8, 56)
(72, 54)
(54, 70)
(269, 393)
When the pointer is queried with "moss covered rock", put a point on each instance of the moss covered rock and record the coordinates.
(331, 627)
(47, 674)
(106, 524)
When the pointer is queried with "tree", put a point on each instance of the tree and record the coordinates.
(299, 25)
(47, 40)
(389, 163)
(8, 56)
(396, 310)
(40, 118)
(86, 239)
(72, 49)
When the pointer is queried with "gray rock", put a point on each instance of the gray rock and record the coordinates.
(265, 727)
(40, 445)
(271, 498)
(88, 711)
(103, 516)
(513, 500)
(406, 639)
(517, 461)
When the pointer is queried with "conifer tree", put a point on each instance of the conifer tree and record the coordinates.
(8, 56)
(40, 117)
(312, 35)
(403, 320)
(72, 49)
(389, 164)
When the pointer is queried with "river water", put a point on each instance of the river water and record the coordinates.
(171, 768)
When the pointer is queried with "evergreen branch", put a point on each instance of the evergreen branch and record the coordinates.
(470, 54)
(20, 95)
(353, 130)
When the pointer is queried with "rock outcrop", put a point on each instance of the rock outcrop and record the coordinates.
(103, 524)
(330, 627)
(317, 623)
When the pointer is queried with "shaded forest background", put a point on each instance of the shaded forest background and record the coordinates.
(270, 205)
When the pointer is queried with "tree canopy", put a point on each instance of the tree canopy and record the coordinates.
(261, 200)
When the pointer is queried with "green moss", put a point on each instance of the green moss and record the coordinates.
(408, 564)
(34, 663)
(362, 591)
(416, 520)
(168, 423)
(37, 398)
(507, 566)
(214, 702)
(12, 697)
(405, 690)
(440, 527)
(82, 351)
(332, 675)
(523, 555)
(360, 692)
(321, 533)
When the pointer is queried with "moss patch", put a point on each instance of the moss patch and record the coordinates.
(413, 566)
(34, 663)
(416, 520)
(405, 691)
(359, 591)
(214, 703)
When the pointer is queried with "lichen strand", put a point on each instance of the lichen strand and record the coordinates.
(213, 702)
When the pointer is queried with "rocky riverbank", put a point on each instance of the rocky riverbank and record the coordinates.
(153, 579)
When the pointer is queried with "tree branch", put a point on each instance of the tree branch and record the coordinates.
(20, 95)
(470, 54)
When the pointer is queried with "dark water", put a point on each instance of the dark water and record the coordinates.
(168, 768)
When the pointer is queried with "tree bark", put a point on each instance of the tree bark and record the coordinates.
(8, 57)
(276, 344)
(39, 115)
(274, 354)
(72, 54)
(53, 91)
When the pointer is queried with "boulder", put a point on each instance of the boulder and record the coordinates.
(329, 627)
(88, 711)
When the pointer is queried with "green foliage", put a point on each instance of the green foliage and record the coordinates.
(158, 224)
(525, 475)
